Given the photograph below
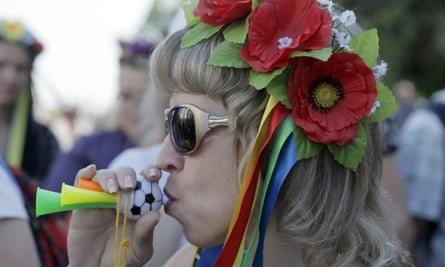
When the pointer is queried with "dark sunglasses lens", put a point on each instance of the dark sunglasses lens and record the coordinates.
(182, 129)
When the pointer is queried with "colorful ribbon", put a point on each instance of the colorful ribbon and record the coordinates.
(281, 160)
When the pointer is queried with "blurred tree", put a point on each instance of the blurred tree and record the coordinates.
(412, 38)
(162, 13)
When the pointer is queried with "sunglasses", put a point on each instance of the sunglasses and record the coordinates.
(187, 125)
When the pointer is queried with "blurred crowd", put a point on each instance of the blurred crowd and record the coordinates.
(32, 155)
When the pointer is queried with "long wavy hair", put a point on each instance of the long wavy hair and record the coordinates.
(336, 215)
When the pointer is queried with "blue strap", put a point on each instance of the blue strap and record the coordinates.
(209, 256)
(286, 160)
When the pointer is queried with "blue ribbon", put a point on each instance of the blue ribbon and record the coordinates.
(286, 160)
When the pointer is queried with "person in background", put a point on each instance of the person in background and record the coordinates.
(102, 146)
(15, 231)
(406, 94)
(273, 153)
(152, 129)
(27, 149)
(24, 143)
(421, 159)
(154, 102)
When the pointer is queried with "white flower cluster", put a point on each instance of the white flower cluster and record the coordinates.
(344, 17)
(347, 18)
(380, 70)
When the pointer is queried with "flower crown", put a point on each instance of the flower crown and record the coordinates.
(14, 31)
(303, 54)
(136, 52)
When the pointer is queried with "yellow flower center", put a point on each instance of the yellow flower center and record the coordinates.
(325, 94)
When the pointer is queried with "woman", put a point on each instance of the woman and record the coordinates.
(27, 148)
(282, 176)
(24, 143)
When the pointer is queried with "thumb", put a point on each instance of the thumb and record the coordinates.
(142, 242)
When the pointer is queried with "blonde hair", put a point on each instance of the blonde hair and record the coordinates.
(327, 209)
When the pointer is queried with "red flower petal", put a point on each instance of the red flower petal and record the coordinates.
(330, 98)
(219, 12)
(279, 27)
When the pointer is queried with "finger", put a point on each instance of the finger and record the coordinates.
(88, 173)
(142, 242)
(107, 180)
(126, 177)
(152, 173)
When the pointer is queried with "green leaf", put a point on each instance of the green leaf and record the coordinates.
(260, 80)
(351, 154)
(366, 44)
(188, 8)
(226, 54)
(237, 31)
(305, 147)
(322, 54)
(198, 33)
(387, 104)
(255, 3)
(279, 88)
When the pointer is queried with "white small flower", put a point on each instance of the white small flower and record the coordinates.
(284, 42)
(380, 70)
(376, 105)
(327, 4)
(343, 39)
(347, 17)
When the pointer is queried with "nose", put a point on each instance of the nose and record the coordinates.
(168, 159)
(10, 75)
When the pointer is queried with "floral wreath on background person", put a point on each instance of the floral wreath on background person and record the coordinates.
(136, 52)
(15, 32)
(324, 84)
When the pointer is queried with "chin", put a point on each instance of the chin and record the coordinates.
(199, 239)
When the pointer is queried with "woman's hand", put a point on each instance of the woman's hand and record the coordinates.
(92, 231)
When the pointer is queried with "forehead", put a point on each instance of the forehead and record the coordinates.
(133, 79)
(14, 53)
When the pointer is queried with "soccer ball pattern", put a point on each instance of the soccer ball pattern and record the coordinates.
(147, 196)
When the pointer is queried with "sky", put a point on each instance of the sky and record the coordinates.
(78, 67)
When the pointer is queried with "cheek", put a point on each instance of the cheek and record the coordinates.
(213, 197)
(128, 114)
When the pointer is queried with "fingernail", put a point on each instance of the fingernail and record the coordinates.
(128, 182)
(91, 167)
(154, 172)
(112, 186)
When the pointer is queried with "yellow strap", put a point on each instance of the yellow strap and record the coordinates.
(116, 231)
(120, 258)
(17, 134)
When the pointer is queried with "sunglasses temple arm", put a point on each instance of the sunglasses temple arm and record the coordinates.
(218, 121)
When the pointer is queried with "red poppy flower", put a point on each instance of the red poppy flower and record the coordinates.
(219, 12)
(279, 27)
(38, 47)
(330, 98)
